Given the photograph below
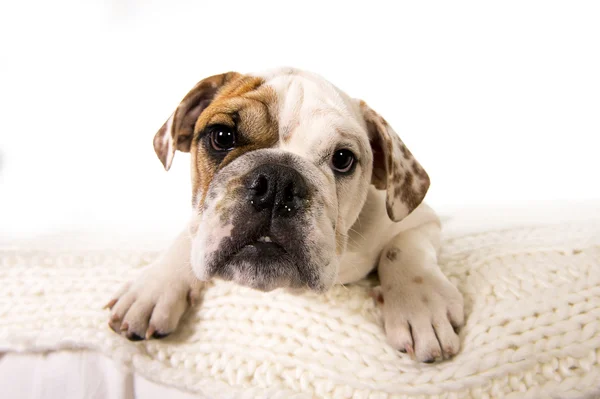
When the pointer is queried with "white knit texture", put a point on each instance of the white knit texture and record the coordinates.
(532, 298)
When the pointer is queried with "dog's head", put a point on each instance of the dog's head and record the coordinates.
(281, 166)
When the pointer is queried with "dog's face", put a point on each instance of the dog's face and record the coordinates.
(281, 166)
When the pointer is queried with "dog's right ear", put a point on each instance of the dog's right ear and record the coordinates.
(178, 130)
(394, 167)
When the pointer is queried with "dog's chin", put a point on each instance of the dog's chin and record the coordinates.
(264, 265)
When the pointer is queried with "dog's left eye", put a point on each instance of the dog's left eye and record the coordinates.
(343, 161)
(222, 138)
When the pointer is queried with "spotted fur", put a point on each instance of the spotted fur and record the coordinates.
(395, 168)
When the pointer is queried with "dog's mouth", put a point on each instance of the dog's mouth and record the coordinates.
(264, 259)
(262, 248)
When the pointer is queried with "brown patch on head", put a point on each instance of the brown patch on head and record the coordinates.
(245, 105)
(392, 254)
(418, 280)
(425, 299)
(237, 101)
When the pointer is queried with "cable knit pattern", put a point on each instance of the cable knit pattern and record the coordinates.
(532, 298)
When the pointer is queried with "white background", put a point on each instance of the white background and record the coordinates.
(499, 101)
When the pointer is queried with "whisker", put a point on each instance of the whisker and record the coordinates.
(356, 232)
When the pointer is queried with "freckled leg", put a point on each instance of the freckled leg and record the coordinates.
(420, 306)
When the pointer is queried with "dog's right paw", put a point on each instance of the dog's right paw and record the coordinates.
(421, 316)
(152, 305)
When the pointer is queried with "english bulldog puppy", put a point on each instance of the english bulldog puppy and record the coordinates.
(296, 185)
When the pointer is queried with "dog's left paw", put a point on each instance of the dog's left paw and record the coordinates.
(421, 317)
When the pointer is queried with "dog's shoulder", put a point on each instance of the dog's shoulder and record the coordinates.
(375, 225)
(374, 230)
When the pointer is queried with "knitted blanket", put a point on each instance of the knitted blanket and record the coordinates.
(532, 297)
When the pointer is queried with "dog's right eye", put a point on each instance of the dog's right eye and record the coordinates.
(222, 138)
(343, 161)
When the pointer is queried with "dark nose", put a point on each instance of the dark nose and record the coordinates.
(277, 188)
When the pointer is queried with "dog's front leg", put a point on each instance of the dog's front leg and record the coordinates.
(152, 305)
(421, 308)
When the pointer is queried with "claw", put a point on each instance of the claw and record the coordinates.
(150, 331)
(124, 326)
(377, 295)
(110, 304)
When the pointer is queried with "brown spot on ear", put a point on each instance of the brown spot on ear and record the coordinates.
(398, 191)
(405, 151)
(392, 254)
(405, 180)
(390, 164)
(389, 145)
(407, 193)
(381, 164)
(398, 176)
(418, 280)
(419, 171)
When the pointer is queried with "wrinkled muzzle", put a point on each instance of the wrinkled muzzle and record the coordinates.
(268, 221)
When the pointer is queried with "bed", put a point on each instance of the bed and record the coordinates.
(530, 276)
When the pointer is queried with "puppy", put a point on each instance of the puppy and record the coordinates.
(296, 185)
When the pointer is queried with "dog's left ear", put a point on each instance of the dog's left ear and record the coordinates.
(177, 131)
(394, 167)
